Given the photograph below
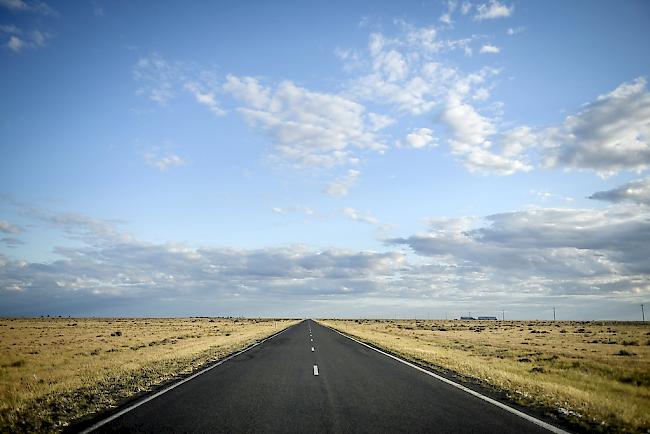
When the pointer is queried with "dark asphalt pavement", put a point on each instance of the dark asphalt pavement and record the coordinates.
(272, 388)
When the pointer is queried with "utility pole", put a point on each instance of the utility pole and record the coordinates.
(503, 315)
(553, 313)
(642, 314)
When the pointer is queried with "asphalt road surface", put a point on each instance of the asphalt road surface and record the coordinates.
(282, 385)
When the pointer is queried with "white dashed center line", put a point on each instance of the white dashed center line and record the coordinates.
(315, 369)
(312, 349)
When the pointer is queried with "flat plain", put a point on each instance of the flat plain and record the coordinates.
(54, 371)
(596, 375)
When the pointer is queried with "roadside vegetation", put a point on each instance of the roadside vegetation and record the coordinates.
(596, 375)
(55, 371)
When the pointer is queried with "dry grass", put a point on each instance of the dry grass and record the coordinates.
(596, 374)
(55, 371)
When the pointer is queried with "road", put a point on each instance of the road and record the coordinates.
(274, 388)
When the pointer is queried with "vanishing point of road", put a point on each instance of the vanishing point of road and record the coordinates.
(311, 379)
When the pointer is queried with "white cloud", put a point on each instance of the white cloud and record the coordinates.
(471, 134)
(419, 138)
(19, 41)
(493, 9)
(205, 97)
(563, 251)
(515, 30)
(163, 161)
(445, 19)
(248, 90)
(510, 259)
(340, 186)
(16, 44)
(158, 78)
(607, 135)
(489, 49)
(10, 29)
(36, 7)
(359, 216)
(379, 122)
(8, 228)
(304, 210)
(308, 129)
(465, 8)
(637, 191)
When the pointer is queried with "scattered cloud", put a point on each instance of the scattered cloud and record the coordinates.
(205, 96)
(419, 138)
(515, 30)
(637, 191)
(545, 196)
(304, 210)
(98, 9)
(489, 49)
(493, 9)
(406, 71)
(11, 242)
(10, 29)
(19, 41)
(35, 7)
(359, 216)
(111, 267)
(158, 77)
(163, 161)
(607, 135)
(340, 186)
(308, 129)
(581, 255)
(8, 228)
(549, 251)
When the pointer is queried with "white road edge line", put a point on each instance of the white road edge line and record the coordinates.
(175, 385)
(505, 407)
(316, 370)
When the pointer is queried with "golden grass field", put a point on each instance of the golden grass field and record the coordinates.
(56, 371)
(595, 374)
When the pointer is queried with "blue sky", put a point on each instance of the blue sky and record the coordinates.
(325, 158)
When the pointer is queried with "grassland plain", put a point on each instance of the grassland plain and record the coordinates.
(596, 375)
(54, 371)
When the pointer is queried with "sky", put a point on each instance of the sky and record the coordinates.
(424, 159)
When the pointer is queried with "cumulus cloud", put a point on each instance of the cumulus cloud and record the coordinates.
(635, 191)
(110, 267)
(341, 185)
(493, 9)
(419, 138)
(607, 135)
(358, 216)
(406, 70)
(472, 135)
(489, 49)
(517, 258)
(564, 251)
(307, 128)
